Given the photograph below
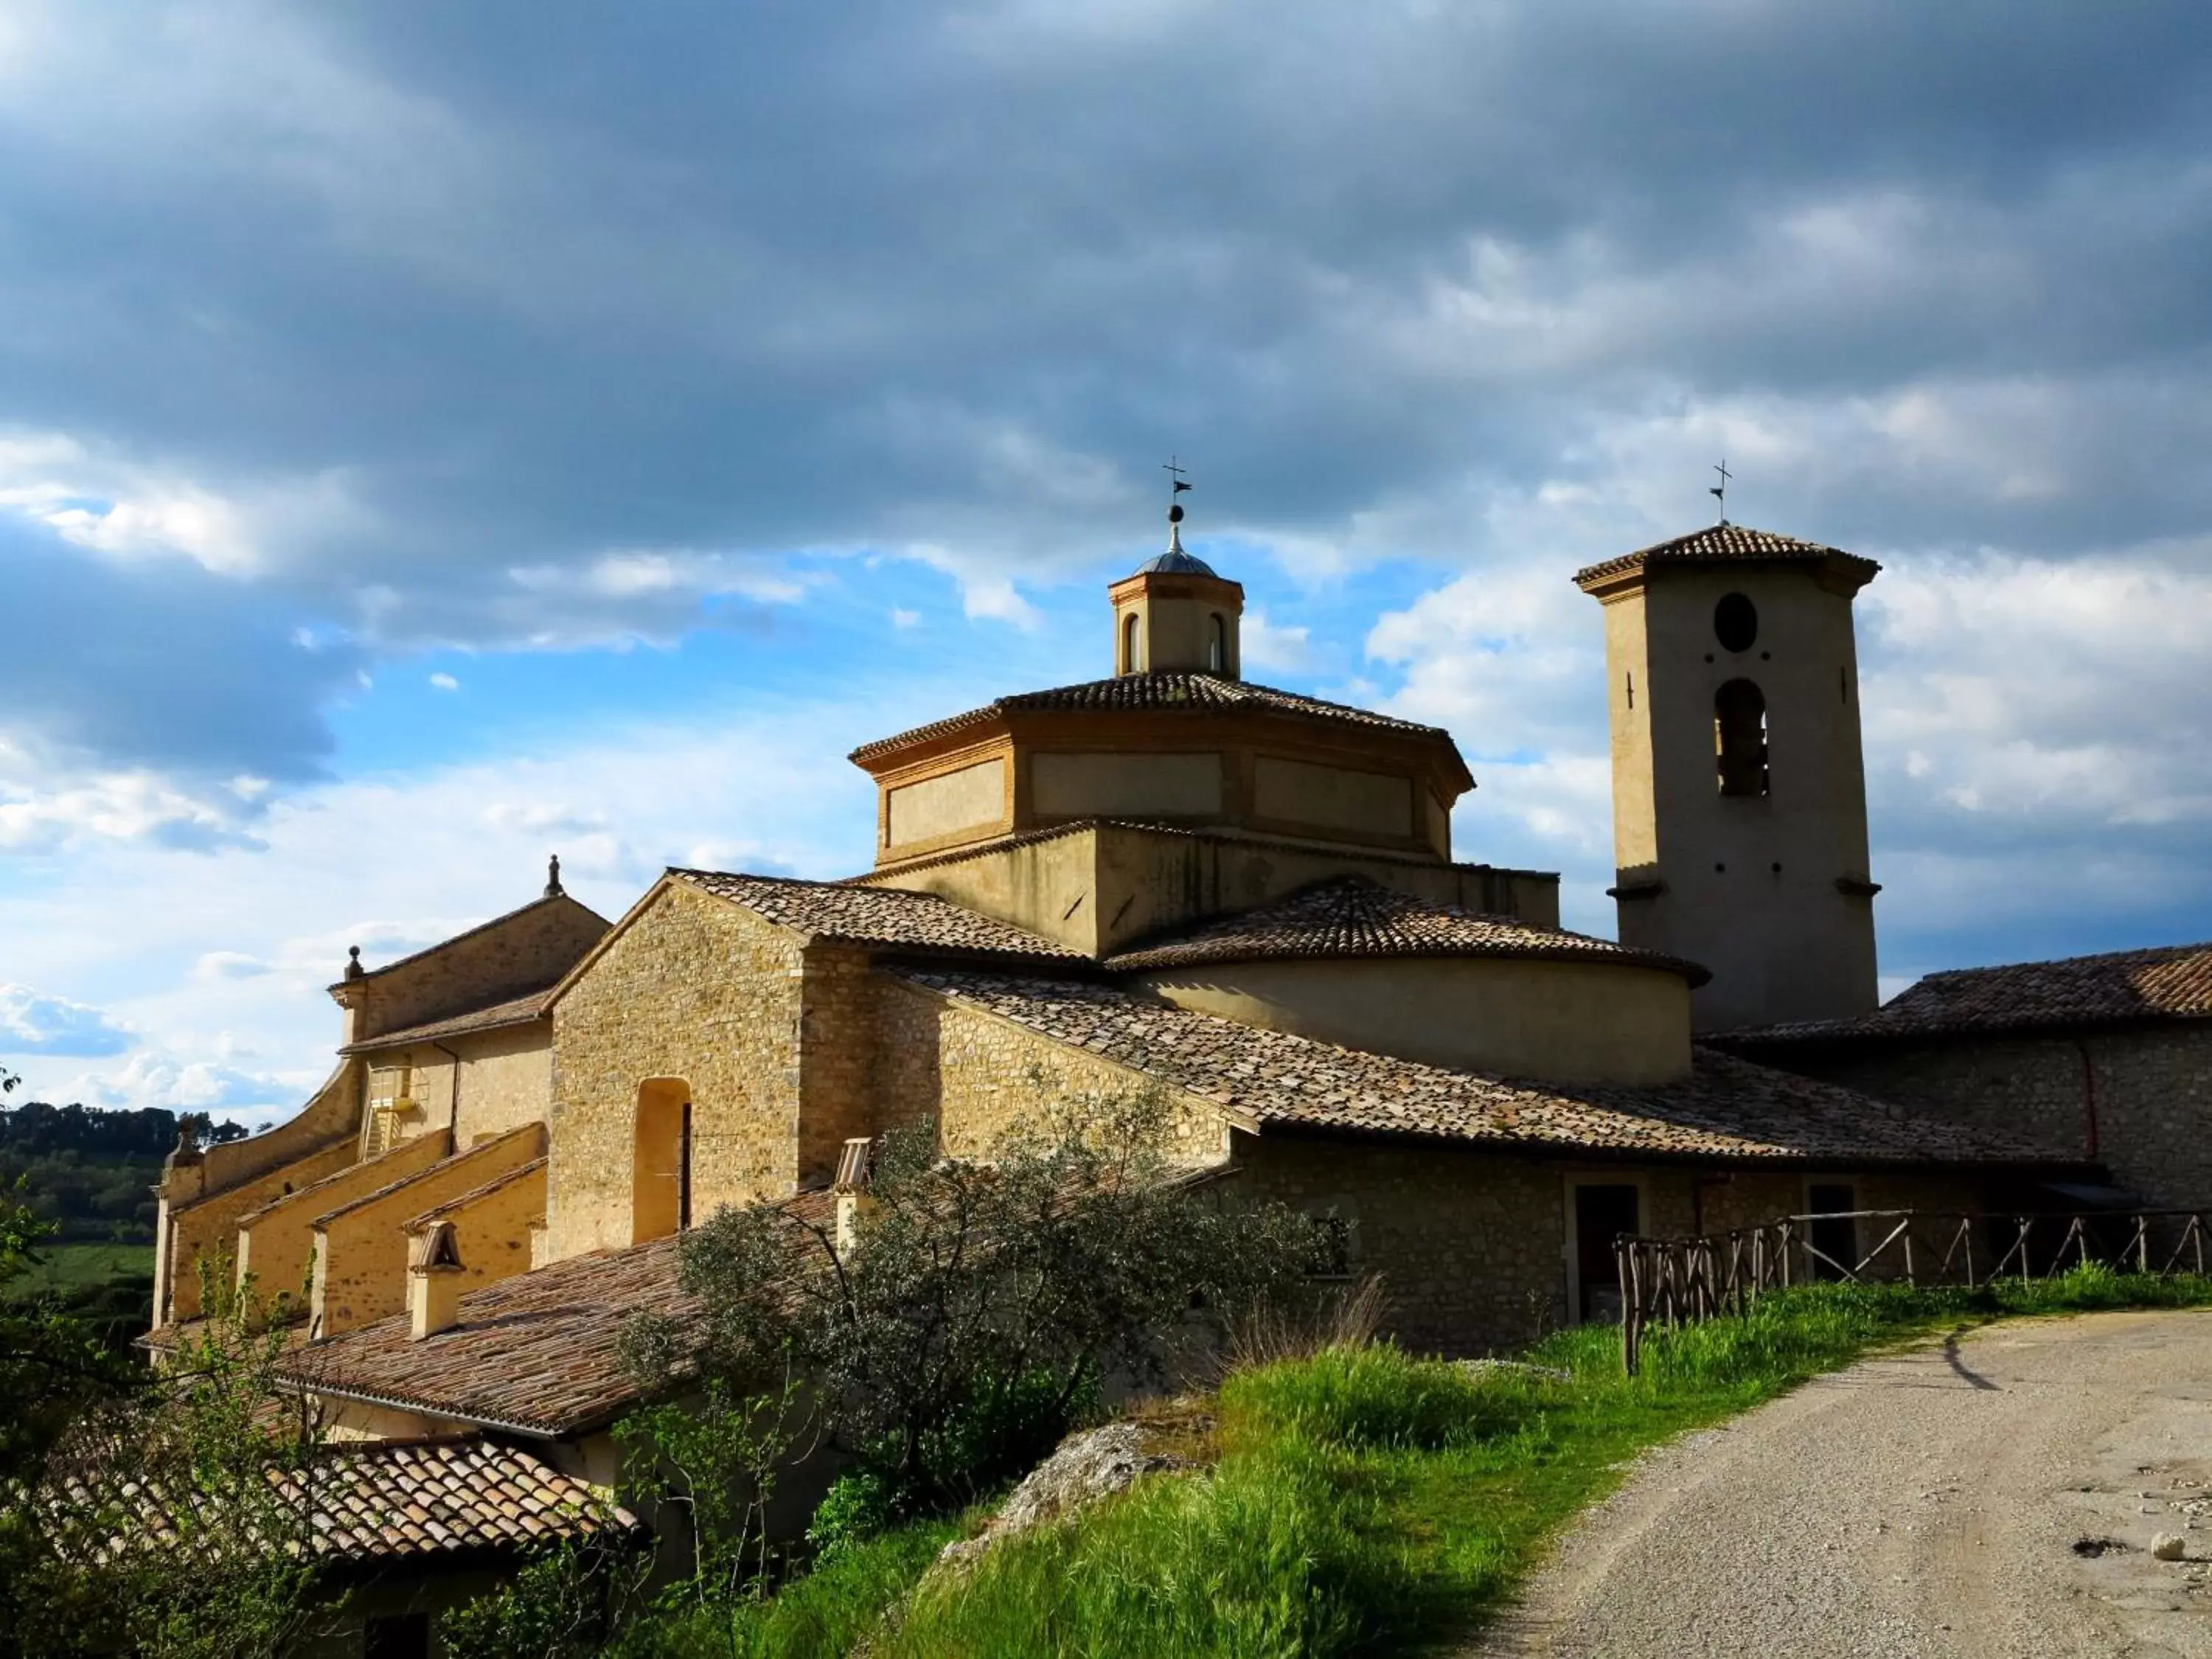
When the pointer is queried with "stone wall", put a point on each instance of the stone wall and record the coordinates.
(277, 1242)
(492, 1224)
(360, 1247)
(982, 1077)
(477, 1084)
(522, 951)
(209, 1229)
(2148, 1087)
(696, 989)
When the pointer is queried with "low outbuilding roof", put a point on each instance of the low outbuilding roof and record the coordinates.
(1355, 916)
(497, 1016)
(1727, 1110)
(387, 1501)
(2165, 982)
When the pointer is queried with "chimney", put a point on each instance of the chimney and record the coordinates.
(433, 1281)
(851, 1190)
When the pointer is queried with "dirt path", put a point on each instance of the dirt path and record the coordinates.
(1926, 1505)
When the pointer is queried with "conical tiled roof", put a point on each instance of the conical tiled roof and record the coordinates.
(1352, 916)
(1175, 563)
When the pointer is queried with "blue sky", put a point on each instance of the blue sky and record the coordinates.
(434, 436)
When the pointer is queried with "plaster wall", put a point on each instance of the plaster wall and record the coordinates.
(693, 989)
(1334, 798)
(1175, 623)
(1079, 786)
(1745, 885)
(1565, 1022)
(1101, 888)
(974, 797)
(209, 1229)
(2148, 1088)
(277, 1242)
(361, 1246)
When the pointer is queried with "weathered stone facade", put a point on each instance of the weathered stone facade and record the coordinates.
(692, 988)
(2135, 1098)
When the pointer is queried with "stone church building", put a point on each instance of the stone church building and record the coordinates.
(1171, 877)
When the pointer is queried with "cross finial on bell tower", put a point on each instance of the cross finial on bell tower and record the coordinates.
(1719, 491)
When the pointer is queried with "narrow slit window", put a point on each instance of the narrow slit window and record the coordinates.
(1631, 682)
(1217, 645)
(1132, 647)
(1740, 739)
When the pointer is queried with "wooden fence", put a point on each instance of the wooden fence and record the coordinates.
(1677, 1281)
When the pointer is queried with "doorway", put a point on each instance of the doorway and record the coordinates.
(1835, 1234)
(1602, 1212)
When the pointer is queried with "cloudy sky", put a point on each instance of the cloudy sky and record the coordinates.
(432, 436)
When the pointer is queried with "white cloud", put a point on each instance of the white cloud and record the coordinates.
(906, 618)
(34, 1024)
(150, 1079)
(1274, 647)
(445, 682)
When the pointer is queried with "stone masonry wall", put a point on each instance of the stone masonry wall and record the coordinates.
(209, 1229)
(360, 1248)
(520, 953)
(698, 988)
(981, 1077)
(837, 1040)
(2152, 1088)
(277, 1242)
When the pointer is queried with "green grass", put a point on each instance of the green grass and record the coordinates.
(79, 1266)
(1371, 1503)
(1365, 1502)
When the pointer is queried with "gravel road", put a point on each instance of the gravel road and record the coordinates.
(1996, 1495)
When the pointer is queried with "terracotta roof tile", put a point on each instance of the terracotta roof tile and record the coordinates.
(1175, 692)
(1354, 916)
(515, 1010)
(1728, 1110)
(2171, 982)
(887, 917)
(387, 1500)
(1726, 543)
(537, 1353)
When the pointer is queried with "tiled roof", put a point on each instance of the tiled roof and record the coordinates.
(1354, 916)
(390, 1500)
(537, 1353)
(1178, 692)
(1726, 542)
(1175, 563)
(2167, 982)
(1728, 1110)
(516, 1011)
(884, 916)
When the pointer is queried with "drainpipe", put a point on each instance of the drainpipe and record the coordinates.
(2088, 1095)
(453, 1099)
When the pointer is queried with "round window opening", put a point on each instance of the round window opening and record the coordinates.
(1736, 622)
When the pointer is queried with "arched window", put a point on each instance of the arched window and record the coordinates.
(1739, 738)
(1217, 643)
(1132, 646)
(661, 1166)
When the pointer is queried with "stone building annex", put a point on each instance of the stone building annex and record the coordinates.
(1174, 878)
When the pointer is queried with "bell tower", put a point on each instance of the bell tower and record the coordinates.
(1739, 789)
(1174, 614)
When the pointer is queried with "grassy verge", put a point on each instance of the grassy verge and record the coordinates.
(1369, 1503)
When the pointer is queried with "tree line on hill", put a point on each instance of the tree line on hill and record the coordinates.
(88, 1173)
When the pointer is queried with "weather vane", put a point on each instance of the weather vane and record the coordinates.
(1719, 491)
(1175, 487)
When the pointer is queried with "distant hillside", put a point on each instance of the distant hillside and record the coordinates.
(89, 1172)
